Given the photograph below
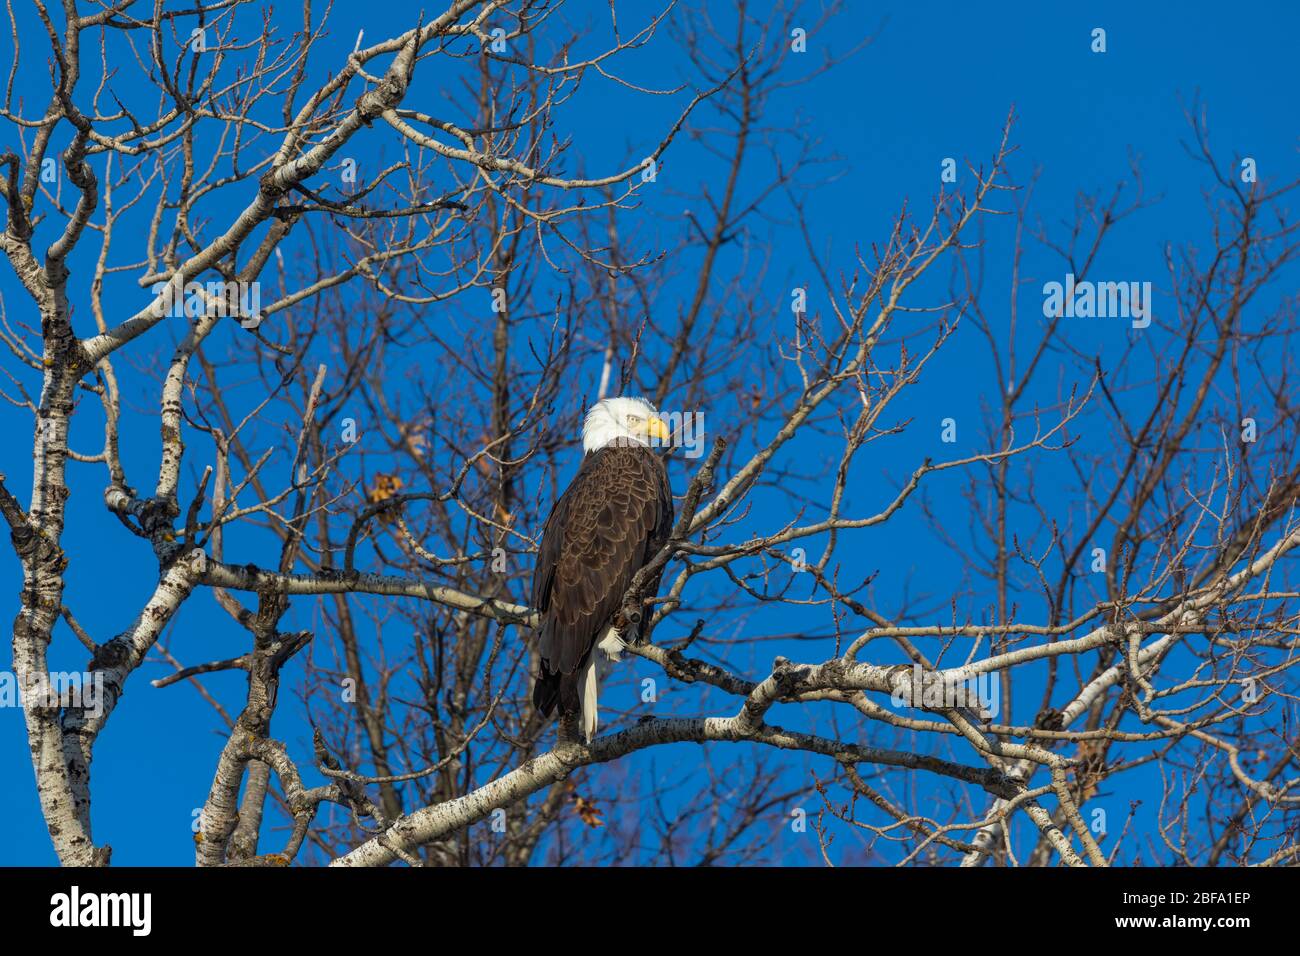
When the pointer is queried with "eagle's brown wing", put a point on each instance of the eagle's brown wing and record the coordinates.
(609, 522)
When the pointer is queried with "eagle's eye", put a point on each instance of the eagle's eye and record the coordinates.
(634, 419)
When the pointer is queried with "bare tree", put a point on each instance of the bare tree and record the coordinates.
(360, 475)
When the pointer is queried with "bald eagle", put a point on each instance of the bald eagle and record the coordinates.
(612, 519)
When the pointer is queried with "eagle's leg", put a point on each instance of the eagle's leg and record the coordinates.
(569, 728)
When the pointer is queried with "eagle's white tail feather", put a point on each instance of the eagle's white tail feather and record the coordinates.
(608, 648)
(590, 716)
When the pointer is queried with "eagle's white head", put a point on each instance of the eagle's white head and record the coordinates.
(622, 421)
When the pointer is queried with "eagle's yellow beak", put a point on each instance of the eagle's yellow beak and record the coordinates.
(658, 428)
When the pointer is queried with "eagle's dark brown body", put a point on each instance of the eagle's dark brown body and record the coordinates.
(610, 521)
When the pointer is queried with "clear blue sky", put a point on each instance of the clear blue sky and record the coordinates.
(937, 81)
